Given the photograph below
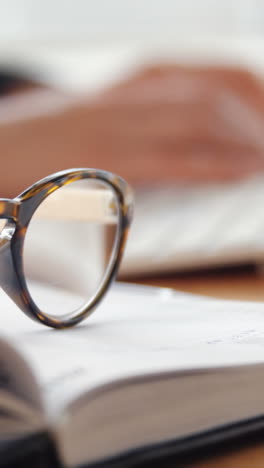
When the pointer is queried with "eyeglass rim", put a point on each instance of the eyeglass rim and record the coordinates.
(19, 212)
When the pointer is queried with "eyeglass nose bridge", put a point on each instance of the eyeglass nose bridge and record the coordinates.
(8, 276)
(8, 212)
(8, 209)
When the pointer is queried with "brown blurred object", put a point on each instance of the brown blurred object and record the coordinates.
(165, 123)
(190, 122)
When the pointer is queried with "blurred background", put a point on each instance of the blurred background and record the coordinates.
(118, 20)
(167, 94)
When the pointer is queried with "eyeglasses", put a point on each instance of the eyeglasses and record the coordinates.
(61, 243)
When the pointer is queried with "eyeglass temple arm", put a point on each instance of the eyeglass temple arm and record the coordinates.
(80, 205)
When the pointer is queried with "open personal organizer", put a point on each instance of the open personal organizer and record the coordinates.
(152, 373)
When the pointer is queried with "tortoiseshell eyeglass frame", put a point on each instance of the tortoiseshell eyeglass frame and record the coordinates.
(18, 213)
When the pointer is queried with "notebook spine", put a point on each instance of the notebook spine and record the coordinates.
(34, 451)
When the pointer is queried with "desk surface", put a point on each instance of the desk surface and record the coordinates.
(243, 284)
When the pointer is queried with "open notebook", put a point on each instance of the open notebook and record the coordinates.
(151, 369)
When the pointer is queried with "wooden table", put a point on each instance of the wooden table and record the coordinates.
(245, 284)
(239, 283)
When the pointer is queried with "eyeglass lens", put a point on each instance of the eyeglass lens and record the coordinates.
(70, 245)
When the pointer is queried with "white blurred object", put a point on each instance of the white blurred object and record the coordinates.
(181, 228)
(106, 20)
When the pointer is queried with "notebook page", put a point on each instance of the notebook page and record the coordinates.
(136, 330)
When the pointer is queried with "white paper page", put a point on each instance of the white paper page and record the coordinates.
(137, 330)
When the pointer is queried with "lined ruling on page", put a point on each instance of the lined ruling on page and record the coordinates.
(136, 330)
